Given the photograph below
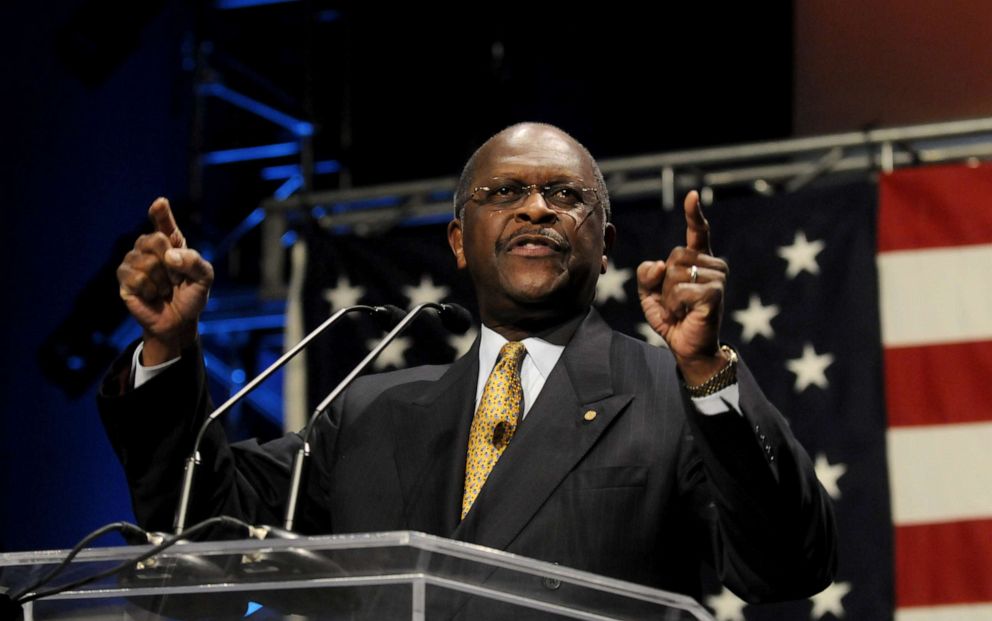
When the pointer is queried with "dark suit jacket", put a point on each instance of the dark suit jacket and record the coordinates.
(645, 491)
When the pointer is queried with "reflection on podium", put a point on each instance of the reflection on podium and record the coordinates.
(393, 575)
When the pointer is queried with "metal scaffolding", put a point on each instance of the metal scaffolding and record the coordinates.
(765, 168)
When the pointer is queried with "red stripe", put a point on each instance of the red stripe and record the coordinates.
(937, 384)
(935, 206)
(948, 563)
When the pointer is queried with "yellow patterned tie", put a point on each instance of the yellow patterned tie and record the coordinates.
(495, 420)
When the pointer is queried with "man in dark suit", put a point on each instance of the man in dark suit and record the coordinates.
(616, 457)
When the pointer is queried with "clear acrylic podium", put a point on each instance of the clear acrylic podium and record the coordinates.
(391, 575)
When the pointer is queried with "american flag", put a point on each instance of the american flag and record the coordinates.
(802, 308)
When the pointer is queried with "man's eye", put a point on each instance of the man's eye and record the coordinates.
(565, 194)
(507, 190)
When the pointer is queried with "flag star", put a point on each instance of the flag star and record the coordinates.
(801, 255)
(756, 319)
(828, 474)
(610, 285)
(829, 600)
(810, 368)
(392, 356)
(649, 335)
(425, 292)
(343, 294)
(462, 342)
(726, 606)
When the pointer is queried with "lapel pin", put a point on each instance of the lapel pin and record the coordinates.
(590, 415)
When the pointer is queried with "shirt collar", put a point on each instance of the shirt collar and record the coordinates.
(543, 354)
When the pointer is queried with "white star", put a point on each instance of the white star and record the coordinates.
(801, 255)
(828, 600)
(610, 285)
(756, 319)
(828, 474)
(392, 356)
(462, 342)
(649, 335)
(343, 294)
(810, 368)
(425, 292)
(726, 606)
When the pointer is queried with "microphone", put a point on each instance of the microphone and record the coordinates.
(452, 316)
(387, 316)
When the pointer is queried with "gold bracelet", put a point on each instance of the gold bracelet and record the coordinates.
(727, 376)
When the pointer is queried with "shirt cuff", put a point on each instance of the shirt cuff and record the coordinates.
(725, 400)
(141, 374)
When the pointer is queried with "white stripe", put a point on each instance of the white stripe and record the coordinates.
(937, 295)
(940, 473)
(960, 612)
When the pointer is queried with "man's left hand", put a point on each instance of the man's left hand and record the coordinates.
(682, 298)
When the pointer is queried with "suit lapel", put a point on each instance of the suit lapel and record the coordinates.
(431, 436)
(550, 441)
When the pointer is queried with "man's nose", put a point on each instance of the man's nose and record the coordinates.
(533, 208)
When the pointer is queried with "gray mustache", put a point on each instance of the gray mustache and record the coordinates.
(551, 234)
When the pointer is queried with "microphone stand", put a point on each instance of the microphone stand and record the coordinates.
(454, 317)
(387, 312)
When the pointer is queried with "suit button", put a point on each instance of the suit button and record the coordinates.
(590, 415)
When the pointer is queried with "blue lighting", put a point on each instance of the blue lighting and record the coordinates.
(75, 363)
(298, 127)
(285, 171)
(289, 238)
(437, 218)
(262, 152)
(240, 4)
(288, 187)
(242, 324)
(329, 15)
(238, 376)
(318, 212)
(253, 607)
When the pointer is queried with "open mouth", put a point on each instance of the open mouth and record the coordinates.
(535, 244)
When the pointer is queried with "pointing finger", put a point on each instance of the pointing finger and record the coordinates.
(697, 229)
(161, 216)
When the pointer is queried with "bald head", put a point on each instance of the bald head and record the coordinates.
(522, 136)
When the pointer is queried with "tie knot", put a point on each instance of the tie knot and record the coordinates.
(513, 351)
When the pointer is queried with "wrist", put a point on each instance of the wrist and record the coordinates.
(157, 350)
(705, 376)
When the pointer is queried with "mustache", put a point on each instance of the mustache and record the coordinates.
(557, 238)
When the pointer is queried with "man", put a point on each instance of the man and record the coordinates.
(582, 447)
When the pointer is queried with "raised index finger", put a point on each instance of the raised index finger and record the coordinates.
(697, 229)
(161, 216)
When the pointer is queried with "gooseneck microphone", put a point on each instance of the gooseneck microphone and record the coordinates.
(386, 315)
(453, 317)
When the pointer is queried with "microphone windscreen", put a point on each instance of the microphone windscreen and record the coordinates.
(387, 316)
(455, 318)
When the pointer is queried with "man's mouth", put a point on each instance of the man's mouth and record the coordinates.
(539, 244)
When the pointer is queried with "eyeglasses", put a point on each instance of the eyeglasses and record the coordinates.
(564, 197)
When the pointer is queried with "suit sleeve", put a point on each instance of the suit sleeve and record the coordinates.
(152, 429)
(770, 523)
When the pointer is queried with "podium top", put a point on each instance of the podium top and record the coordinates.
(406, 571)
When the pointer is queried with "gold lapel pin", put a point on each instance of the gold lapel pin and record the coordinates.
(590, 415)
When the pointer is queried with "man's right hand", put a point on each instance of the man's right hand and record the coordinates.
(165, 286)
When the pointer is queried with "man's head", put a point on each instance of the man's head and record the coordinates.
(534, 253)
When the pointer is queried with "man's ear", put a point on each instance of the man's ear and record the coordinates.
(609, 236)
(455, 241)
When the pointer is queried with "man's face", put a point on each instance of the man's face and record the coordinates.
(531, 260)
